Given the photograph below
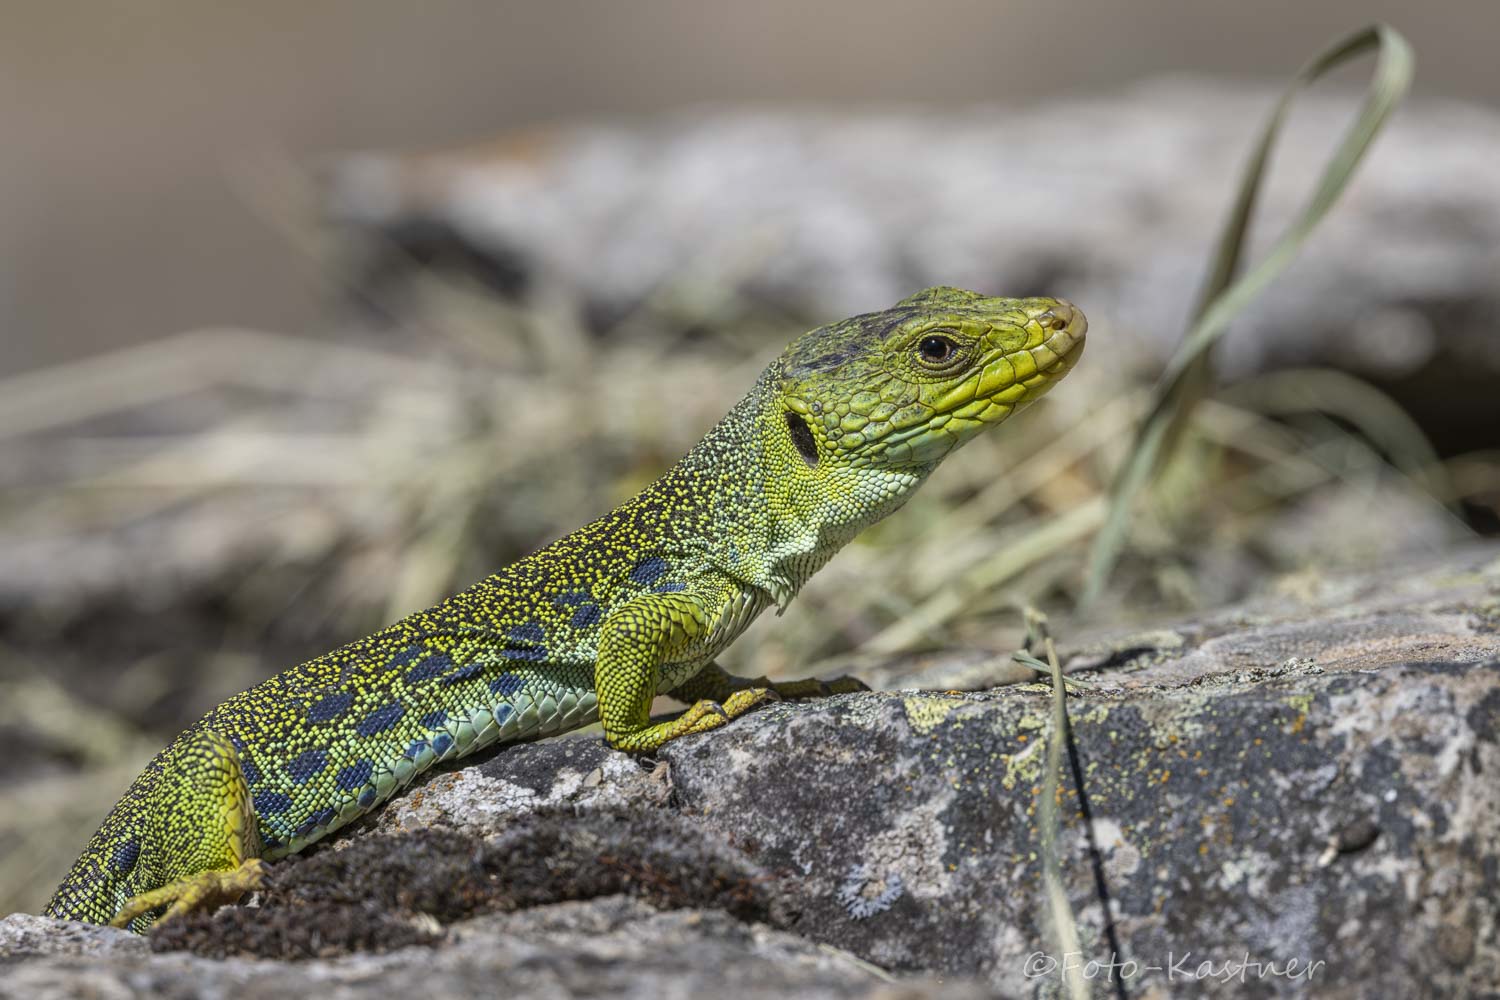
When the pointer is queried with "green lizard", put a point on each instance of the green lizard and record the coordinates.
(835, 435)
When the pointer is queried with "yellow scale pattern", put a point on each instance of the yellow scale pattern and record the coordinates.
(834, 435)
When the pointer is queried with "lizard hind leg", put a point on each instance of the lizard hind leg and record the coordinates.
(204, 832)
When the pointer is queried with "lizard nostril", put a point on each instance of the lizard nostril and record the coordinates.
(1061, 315)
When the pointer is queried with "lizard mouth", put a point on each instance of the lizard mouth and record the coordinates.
(1025, 375)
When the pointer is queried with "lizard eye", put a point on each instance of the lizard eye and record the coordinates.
(936, 350)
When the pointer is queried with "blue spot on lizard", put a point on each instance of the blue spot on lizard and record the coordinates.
(507, 684)
(381, 719)
(330, 708)
(271, 803)
(525, 643)
(434, 666)
(648, 571)
(306, 766)
(405, 656)
(354, 775)
(317, 819)
(463, 673)
(124, 856)
(250, 771)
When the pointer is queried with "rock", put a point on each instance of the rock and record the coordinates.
(607, 947)
(24, 936)
(1288, 793)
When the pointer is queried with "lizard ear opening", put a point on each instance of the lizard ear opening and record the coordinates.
(802, 437)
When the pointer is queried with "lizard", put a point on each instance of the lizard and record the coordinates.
(834, 435)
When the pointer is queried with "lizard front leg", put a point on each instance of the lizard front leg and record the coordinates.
(716, 683)
(638, 638)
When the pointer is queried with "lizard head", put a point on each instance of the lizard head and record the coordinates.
(900, 389)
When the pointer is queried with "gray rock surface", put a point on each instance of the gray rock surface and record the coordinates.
(606, 947)
(1307, 777)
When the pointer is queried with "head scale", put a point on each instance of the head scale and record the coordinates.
(902, 388)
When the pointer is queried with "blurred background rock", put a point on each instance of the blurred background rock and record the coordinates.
(314, 313)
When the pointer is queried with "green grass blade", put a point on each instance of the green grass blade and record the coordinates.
(1223, 297)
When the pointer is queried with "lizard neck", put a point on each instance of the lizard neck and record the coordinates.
(776, 519)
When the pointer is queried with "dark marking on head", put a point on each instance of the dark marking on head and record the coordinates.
(648, 571)
(331, 707)
(836, 344)
(381, 719)
(507, 684)
(306, 766)
(354, 775)
(822, 364)
(802, 437)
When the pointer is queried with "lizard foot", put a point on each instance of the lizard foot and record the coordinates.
(705, 714)
(203, 890)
